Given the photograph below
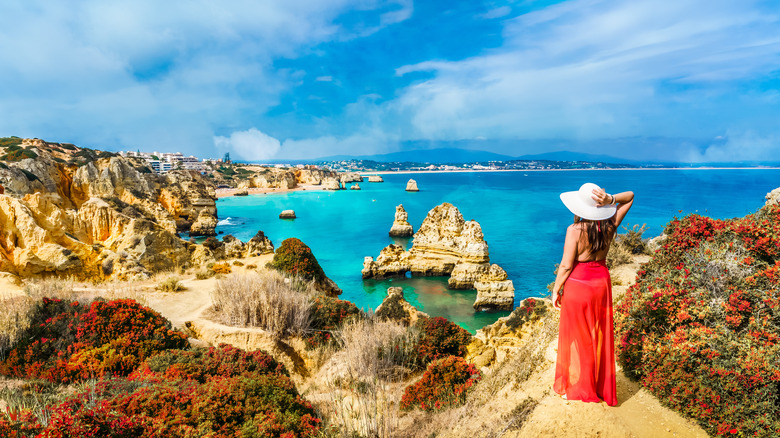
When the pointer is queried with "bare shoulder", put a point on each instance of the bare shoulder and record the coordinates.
(574, 229)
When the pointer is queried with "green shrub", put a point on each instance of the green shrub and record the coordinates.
(12, 141)
(18, 154)
(440, 338)
(204, 274)
(393, 309)
(329, 314)
(295, 258)
(701, 327)
(69, 342)
(529, 310)
(444, 384)
(171, 284)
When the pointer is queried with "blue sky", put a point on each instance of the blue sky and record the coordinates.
(689, 80)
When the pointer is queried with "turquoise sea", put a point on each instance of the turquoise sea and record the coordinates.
(522, 218)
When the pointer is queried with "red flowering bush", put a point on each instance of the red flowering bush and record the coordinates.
(68, 342)
(701, 326)
(439, 338)
(295, 258)
(328, 314)
(445, 383)
(221, 392)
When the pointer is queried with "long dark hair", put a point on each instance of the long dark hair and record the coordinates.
(598, 233)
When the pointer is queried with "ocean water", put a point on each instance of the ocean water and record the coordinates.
(521, 216)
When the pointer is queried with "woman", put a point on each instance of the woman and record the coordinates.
(585, 369)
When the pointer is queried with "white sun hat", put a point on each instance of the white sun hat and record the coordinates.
(583, 205)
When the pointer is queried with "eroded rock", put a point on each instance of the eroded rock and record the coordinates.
(401, 226)
(411, 186)
(494, 290)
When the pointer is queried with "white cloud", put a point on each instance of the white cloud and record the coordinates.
(109, 73)
(249, 145)
(599, 68)
(743, 146)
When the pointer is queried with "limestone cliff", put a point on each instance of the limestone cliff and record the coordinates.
(401, 226)
(773, 197)
(70, 212)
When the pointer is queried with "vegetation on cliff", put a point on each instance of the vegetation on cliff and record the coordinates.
(701, 326)
(140, 380)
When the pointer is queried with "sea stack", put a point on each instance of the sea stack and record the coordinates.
(287, 214)
(355, 186)
(401, 226)
(411, 186)
(375, 178)
(494, 290)
(445, 244)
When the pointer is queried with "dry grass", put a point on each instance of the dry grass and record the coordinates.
(266, 300)
(375, 357)
(171, 284)
(507, 378)
(14, 320)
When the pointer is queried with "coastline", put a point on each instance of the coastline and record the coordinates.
(226, 193)
(402, 172)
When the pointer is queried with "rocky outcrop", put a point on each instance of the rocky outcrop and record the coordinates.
(272, 178)
(401, 226)
(445, 245)
(258, 245)
(287, 214)
(494, 290)
(354, 187)
(396, 308)
(109, 217)
(411, 186)
(497, 341)
(375, 178)
(773, 197)
(331, 183)
(348, 177)
(204, 225)
(392, 261)
(445, 240)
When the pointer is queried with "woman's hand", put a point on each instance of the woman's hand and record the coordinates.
(556, 299)
(601, 197)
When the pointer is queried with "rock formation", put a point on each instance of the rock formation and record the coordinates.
(287, 214)
(411, 186)
(494, 290)
(392, 261)
(773, 197)
(258, 245)
(355, 187)
(107, 217)
(396, 308)
(401, 226)
(375, 178)
(445, 240)
(510, 334)
(348, 177)
(331, 183)
(445, 245)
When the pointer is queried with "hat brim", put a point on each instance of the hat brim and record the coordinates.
(574, 203)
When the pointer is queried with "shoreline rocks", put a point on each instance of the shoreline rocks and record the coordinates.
(411, 186)
(355, 187)
(331, 183)
(396, 308)
(401, 226)
(375, 178)
(287, 214)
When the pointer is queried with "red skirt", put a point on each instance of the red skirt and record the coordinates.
(585, 369)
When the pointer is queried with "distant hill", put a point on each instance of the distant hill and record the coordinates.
(576, 156)
(433, 156)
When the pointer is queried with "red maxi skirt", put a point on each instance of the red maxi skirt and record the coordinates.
(585, 369)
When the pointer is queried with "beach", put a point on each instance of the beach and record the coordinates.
(225, 193)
